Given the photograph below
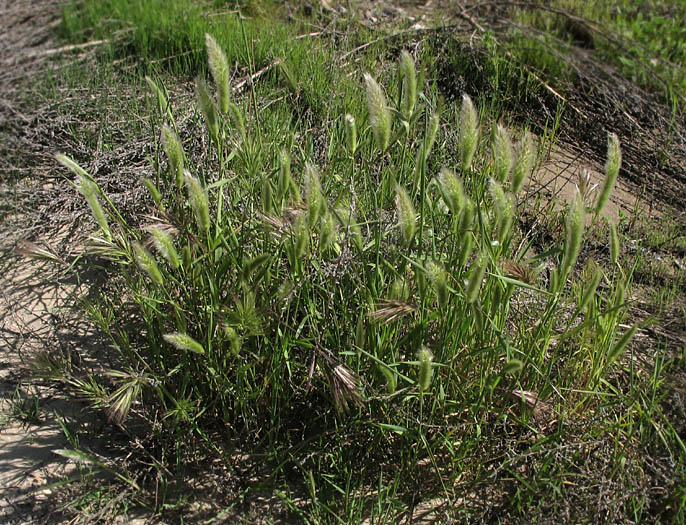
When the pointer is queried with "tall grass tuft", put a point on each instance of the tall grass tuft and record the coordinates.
(279, 299)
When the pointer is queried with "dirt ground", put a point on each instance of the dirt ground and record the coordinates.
(36, 301)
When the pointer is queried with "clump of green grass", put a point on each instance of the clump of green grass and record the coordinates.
(368, 299)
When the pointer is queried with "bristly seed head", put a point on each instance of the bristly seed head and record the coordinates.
(468, 134)
(614, 161)
(408, 75)
(350, 134)
(407, 217)
(379, 115)
(146, 262)
(164, 245)
(502, 153)
(452, 191)
(524, 162)
(197, 195)
(478, 270)
(436, 275)
(425, 358)
(207, 108)
(316, 204)
(574, 235)
(219, 68)
(174, 151)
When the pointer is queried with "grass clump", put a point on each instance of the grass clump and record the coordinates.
(356, 312)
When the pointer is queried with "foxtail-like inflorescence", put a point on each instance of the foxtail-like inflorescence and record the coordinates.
(524, 162)
(207, 108)
(408, 77)
(425, 358)
(174, 151)
(407, 217)
(502, 154)
(612, 165)
(197, 196)
(350, 134)
(379, 114)
(468, 132)
(574, 229)
(219, 68)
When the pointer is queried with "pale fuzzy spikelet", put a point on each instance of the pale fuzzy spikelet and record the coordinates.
(326, 232)
(408, 75)
(219, 68)
(477, 275)
(184, 342)
(154, 192)
(614, 161)
(301, 237)
(399, 290)
(238, 120)
(452, 191)
(524, 163)
(407, 217)
(468, 214)
(165, 246)
(436, 275)
(350, 134)
(316, 204)
(504, 209)
(266, 195)
(197, 195)
(146, 262)
(207, 108)
(430, 137)
(574, 236)
(468, 134)
(502, 154)
(391, 379)
(425, 358)
(174, 151)
(162, 102)
(235, 340)
(90, 191)
(379, 115)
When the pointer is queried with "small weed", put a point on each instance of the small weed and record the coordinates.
(23, 408)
